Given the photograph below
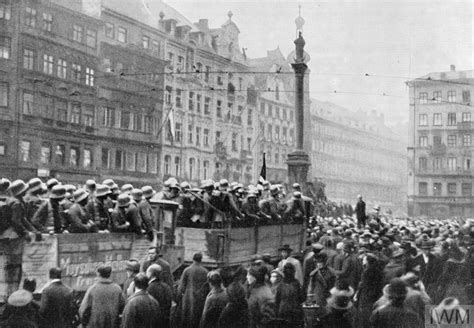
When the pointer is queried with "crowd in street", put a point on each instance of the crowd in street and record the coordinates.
(366, 270)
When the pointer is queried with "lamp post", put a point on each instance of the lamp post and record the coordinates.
(299, 161)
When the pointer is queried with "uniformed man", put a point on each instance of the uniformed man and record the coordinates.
(273, 205)
(32, 198)
(308, 202)
(144, 211)
(20, 226)
(97, 208)
(79, 219)
(125, 217)
(295, 209)
(49, 217)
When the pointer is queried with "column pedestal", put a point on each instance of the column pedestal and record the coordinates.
(298, 167)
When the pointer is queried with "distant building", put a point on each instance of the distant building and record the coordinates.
(440, 144)
(274, 83)
(355, 153)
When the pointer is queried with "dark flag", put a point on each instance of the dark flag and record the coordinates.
(263, 172)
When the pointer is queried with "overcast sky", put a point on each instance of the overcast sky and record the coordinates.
(396, 40)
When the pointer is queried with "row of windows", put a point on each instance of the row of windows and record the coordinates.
(61, 154)
(129, 120)
(275, 111)
(194, 169)
(32, 20)
(129, 160)
(450, 163)
(60, 68)
(452, 140)
(451, 189)
(277, 134)
(452, 119)
(450, 97)
(198, 103)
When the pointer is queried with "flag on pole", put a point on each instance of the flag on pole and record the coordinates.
(171, 122)
(263, 172)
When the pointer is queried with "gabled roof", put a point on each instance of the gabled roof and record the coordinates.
(148, 12)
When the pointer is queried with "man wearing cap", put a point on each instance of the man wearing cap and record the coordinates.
(285, 251)
(252, 212)
(49, 216)
(273, 206)
(295, 209)
(360, 212)
(32, 198)
(144, 211)
(103, 302)
(19, 223)
(308, 202)
(125, 217)
(57, 303)
(321, 280)
(133, 268)
(80, 220)
(97, 207)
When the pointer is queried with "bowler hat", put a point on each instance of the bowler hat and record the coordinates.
(58, 192)
(18, 187)
(79, 195)
(20, 298)
(123, 200)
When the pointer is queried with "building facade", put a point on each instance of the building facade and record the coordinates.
(355, 153)
(440, 147)
(274, 82)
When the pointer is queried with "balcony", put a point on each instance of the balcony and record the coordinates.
(437, 150)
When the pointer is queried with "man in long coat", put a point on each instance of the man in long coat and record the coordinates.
(103, 302)
(142, 310)
(57, 308)
(360, 212)
(193, 290)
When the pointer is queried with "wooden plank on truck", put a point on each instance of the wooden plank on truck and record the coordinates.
(269, 239)
(242, 245)
(291, 234)
(210, 242)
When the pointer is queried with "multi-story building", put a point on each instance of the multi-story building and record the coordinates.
(440, 147)
(49, 54)
(274, 81)
(355, 153)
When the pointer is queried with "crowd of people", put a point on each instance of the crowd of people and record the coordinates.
(365, 270)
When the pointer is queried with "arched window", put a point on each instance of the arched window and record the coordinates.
(205, 170)
(192, 164)
(177, 166)
(167, 164)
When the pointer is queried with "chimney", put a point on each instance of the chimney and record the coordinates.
(203, 24)
(452, 68)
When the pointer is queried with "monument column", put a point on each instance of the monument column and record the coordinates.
(299, 161)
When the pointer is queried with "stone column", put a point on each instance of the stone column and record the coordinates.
(299, 161)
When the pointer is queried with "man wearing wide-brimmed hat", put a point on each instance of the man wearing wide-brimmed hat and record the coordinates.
(32, 199)
(395, 314)
(16, 203)
(125, 217)
(49, 217)
(80, 220)
(427, 263)
(97, 207)
(285, 252)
